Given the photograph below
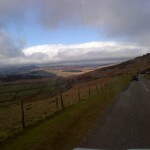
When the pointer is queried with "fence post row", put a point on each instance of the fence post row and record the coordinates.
(60, 104)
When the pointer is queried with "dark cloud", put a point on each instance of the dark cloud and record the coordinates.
(14, 11)
(11, 12)
(117, 18)
(8, 48)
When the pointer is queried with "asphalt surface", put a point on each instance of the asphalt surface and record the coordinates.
(127, 125)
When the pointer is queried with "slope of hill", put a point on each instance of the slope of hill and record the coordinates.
(135, 66)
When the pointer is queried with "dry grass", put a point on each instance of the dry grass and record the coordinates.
(62, 73)
(68, 128)
(10, 116)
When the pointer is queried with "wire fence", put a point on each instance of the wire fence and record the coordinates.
(24, 111)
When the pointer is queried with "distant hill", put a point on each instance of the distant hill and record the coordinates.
(25, 72)
(40, 73)
(132, 67)
(137, 65)
(17, 70)
(28, 76)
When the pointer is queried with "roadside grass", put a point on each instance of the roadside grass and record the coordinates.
(67, 129)
(147, 76)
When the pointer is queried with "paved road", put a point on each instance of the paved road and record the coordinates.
(127, 125)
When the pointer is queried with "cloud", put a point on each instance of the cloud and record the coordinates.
(8, 48)
(15, 9)
(89, 53)
(117, 18)
(92, 51)
(11, 12)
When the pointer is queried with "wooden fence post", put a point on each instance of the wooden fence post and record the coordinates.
(61, 100)
(109, 85)
(96, 88)
(105, 85)
(89, 90)
(22, 114)
(100, 87)
(79, 94)
(57, 106)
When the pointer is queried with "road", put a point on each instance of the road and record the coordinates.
(127, 125)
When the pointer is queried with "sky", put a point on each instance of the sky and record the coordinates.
(73, 31)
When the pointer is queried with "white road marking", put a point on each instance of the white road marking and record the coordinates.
(147, 90)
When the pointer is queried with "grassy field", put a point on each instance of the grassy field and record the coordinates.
(68, 128)
(43, 106)
(62, 73)
(10, 92)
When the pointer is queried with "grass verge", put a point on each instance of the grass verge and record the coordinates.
(69, 127)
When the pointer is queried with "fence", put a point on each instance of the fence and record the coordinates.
(24, 111)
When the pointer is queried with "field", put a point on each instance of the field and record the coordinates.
(67, 71)
(79, 118)
(43, 105)
(32, 89)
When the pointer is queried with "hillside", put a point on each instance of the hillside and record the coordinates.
(135, 66)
